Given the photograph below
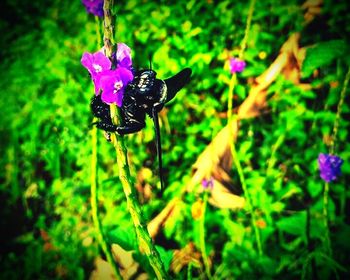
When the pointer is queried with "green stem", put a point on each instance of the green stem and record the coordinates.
(230, 100)
(231, 119)
(189, 271)
(108, 29)
(309, 243)
(13, 166)
(144, 239)
(247, 28)
(247, 196)
(98, 31)
(325, 215)
(202, 236)
(272, 160)
(97, 223)
(339, 108)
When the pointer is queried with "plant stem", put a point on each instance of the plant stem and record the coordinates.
(325, 215)
(146, 245)
(98, 31)
(272, 160)
(97, 223)
(247, 28)
(13, 166)
(144, 239)
(189, 271)
(339, 108)
(202, 235)
(231, 119)
(309, 243)
(247, 195)
(108, 30)
(230, 100)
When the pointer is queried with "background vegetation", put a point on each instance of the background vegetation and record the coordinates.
(45, 130)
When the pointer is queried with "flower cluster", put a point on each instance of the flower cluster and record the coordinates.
(236, 65)
(111, 82)
(329, 167)
(94, 7)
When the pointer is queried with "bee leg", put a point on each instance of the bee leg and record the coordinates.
(107, 135)
(130, 128)
(109, 127)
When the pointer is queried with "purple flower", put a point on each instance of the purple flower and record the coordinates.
(208, 184)
(329, 167)
(113, 83)
(94, 7)
(96, 64)
(124, 56)
(236, 65)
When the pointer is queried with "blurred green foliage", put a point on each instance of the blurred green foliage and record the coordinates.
(47, 231)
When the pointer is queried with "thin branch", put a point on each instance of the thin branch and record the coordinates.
(202, 236)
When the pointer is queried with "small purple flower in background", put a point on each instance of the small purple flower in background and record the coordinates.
(329, 167)
(94, 7)
(236, 65)
(113, 84)
(208, 184)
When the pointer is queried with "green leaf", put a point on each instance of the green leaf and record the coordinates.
(235, 230)
(314, 188)
(166, 256)
(322, 54)
(295, 224)
(125, 238)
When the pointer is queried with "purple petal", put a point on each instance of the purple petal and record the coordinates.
(95, 63)
(322, 159)
(94, 7)
(126, 75)
(124, 56)
(113, 84)
(236, 65)
(87, 60)
(208, 184)
(329, 166)
(100, 60)
(96, 81)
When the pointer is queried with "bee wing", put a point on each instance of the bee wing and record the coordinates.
(177, 82)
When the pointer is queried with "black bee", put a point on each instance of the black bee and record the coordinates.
(144, 95)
